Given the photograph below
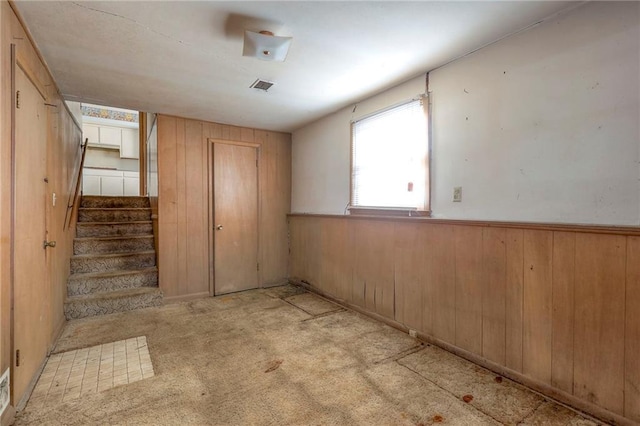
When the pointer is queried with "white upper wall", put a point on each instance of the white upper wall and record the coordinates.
(321, 154)
(75, 109)
(542, 126)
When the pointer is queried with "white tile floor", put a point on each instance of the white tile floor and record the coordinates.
(71, 375)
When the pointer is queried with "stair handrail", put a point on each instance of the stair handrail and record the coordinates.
(74, 196)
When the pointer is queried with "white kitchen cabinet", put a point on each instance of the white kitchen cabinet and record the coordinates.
(111, 185)
(131, 183)
(110, 136)
(91, 132)
(130, 146)
(125, 139)
(90, 184)
(110, 182)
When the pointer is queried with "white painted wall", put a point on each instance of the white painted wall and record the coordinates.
(109, 159)
(76, 111)
(321, 153)
(542, 126)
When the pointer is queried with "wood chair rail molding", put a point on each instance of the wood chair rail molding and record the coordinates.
(541, 226)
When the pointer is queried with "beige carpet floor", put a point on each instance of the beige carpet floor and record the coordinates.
(282, 356)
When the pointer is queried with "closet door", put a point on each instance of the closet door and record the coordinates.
(31, 322)
(235, 199)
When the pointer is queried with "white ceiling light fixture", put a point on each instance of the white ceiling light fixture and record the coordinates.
(266, 46)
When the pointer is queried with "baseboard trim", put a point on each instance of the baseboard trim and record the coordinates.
(185, 297)
(32, 384)
(276, 284)
(57, 333)
(549, 392)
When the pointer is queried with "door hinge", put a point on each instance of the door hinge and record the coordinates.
(256, 162)
(17, 357)
(257, 266)
(17, 99)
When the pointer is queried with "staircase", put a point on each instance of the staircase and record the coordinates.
(113, 267)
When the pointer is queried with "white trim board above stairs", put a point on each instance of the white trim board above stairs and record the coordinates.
(113, 268)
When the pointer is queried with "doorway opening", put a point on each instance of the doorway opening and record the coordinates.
(112, 162)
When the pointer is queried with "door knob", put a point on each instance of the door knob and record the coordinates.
(51, 244)
(219, 227)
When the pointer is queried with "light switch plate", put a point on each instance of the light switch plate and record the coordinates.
(457, 194)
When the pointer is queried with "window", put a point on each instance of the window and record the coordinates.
(390, 159)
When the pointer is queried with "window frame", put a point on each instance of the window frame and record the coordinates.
(394, 211)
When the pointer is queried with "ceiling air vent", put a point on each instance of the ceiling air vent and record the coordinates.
(261, 85)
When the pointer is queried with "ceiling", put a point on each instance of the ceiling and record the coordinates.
(185, 58)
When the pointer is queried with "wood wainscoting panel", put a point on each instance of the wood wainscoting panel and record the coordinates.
(556, 308)
(410, 273)
(536, 337)
(564, 257)
(514, 298)
(312, 246)
(305, 250)
(373, 274)
(632, 332)
(600, 276)
(296, 252)
(441, 282)
(337, 253)
(468, 273)
(494, 294)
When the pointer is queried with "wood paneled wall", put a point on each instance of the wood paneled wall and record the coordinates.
(555, 306)
(63, 166)
(63, 157)
(184, 251)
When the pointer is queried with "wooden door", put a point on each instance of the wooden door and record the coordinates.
(31, 324)
(235, 200)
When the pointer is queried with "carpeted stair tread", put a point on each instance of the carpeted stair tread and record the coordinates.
(126, 222)
(83, 263)
(107, 229)
(111, 302)
(113, 214)
(113, 244)
(120, 272)
(115, 237)
(117, 294)
(110, 255)
(93, 209)
(114, 201)
(98, 282)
